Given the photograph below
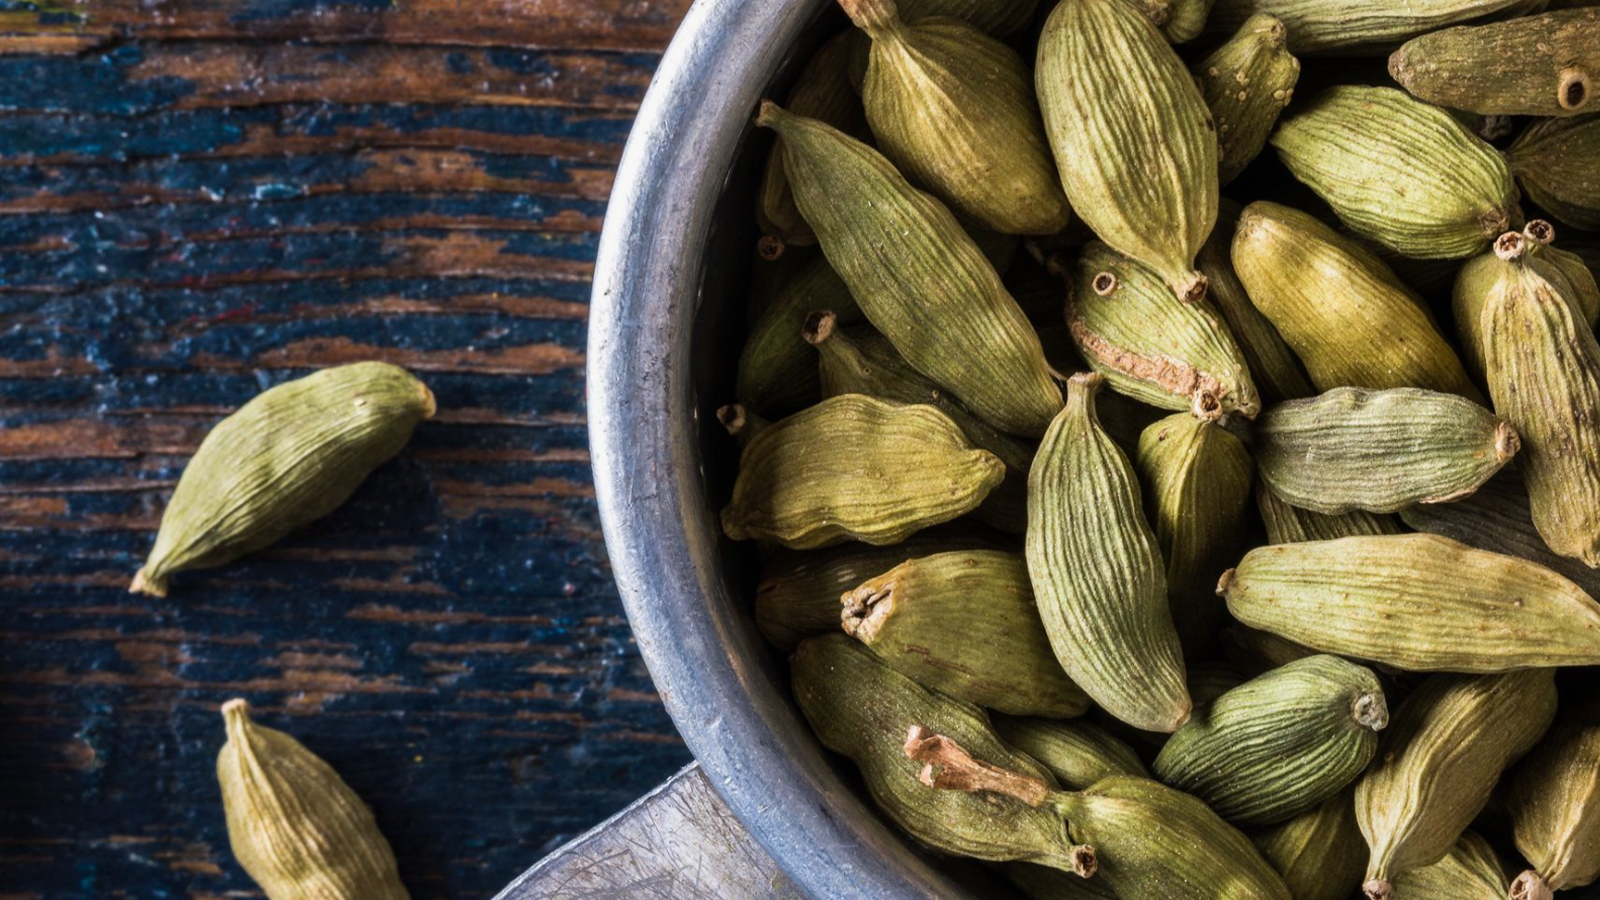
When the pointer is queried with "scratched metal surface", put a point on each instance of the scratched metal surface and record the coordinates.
(199, 199)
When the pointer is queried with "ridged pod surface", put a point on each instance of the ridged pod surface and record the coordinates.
(917, 276)
(1077, 753)
(1558, 163)
(777, 372)
(1133, 139)
(1445, 750)
(1246, 83)
(1197, 477)
(1581, 287)
(1320, 853)
(955, 110)
(863, 709)
(1044, 883)
(1418, 602)
(1292, 525)
(290, 456)
(1349, 27)
(1001, 18)
(293, 824)
(1279, 744)
(1544, 65)
(856, 468)
(1379, 451)
(1344, 313)
(1170, 355)
(1566, 272)
(1097, 571)
(1470, 871)
(1273, 367)
(1186, 19)
(1399, 171)
(1555, 806)
(920, 617)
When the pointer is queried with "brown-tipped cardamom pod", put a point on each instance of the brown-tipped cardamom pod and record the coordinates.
(1246, 83)
(919, 278)
(1543, 367)
(1544, 65)
(1346, 315)
(863, 709)
(1078, 753)
(1354, 27)
(1470, 871)
(777, 372)
(1320, 853)
(823, 92)
(1279, 744)
(954, 109)
(741, 424)
(1379, 451)
(1197, 477)
(1555, 806)
(1273, 367)
(856, 468)
(1134, 142)
(1292, 525)
(1558, 163)
(1399, 171)
(920, 618)
(1444, 752)
(1418, 602)
(290, 456)
(1170, 355)
(1097, 571)
(294, 824)
(1581, 287)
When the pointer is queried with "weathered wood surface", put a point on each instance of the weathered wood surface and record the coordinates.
(202, 198)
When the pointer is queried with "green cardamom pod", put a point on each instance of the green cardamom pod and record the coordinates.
(1001, 18)
(1134, 142)
(1186, 19)
(1259, 652)
(1558, 163)
(777, 372)
(861, 708)
(1543, 367)
(1417, 602)
(1555, 807)
(1320, 853)
(920, 619)
(1197, 477)
(1345, 314)
(1379, 451)
(1535, 66)
(1097, 571)
(1209, 680)
(1273, 367)
(1581, 287)
(1444, 752)
(916, 274)
(954, 109)
(1399, 171)
(741, 424)
(1246, 83)
(1044, 883)
(1291, 525)
(294, 824)
(1170, 355)
(1354, 27)
(774, 265)
(1470, 871)
(856, 468)
(1077, 753)
(1279, 744)
(823, 92)
(1566, 272)
(290, 456)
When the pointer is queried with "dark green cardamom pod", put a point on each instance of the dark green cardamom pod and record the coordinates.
(920, 618)
(288, 457)
(823, 92)
(1273, 367)
(1355, 27)
(863, 709)
(1170, 355)
(1379, 451)
(916, 274)
(1280, 744)
(1581, 287)
(1259, 652)
(856, 468)
(1555, 806)
(1470, 871)
(1417, 602)
(1399, 171)
(1558, 163)
(1320, 853)
(1097, 571)
(774, 265)
(1197, 477)
(777, 372)
(1044, 883)
(1291, 525)
(1001, 18)
(1133, 139)
(1444, 752)
(1246, 83)
(954, 109)
(1209, 680)
(741, 424)
(1540, 65)
(1077, 753)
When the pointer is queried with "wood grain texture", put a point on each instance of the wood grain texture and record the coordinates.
(198, 200)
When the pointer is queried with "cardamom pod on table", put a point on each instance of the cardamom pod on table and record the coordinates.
(1555, 806)
(1543, 65)
(1354, 27)
(1557, 162)
(1320, 853)
(1246, 83)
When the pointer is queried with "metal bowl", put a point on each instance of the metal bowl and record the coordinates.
(665, 326)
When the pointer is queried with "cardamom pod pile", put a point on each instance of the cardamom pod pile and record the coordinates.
(1146, 541)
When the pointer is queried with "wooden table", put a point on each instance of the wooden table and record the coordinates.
(201, 198)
